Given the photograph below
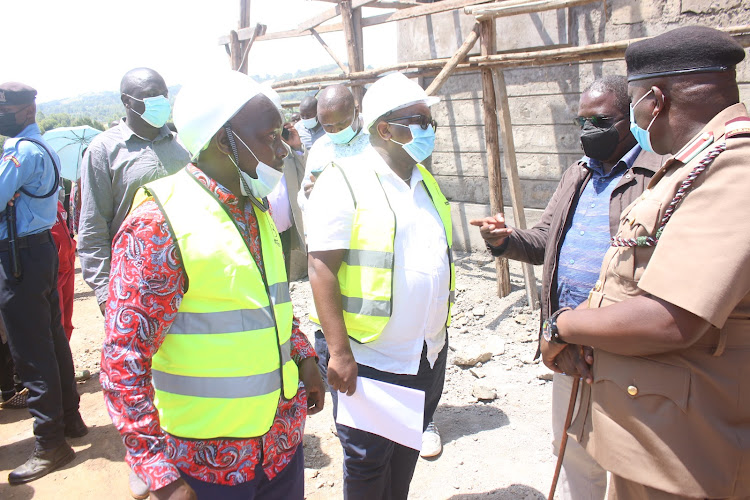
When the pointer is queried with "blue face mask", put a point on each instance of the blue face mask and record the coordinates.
(310, 123)
(642, 136)
(343, 136)
(157, 110)
(422, 141)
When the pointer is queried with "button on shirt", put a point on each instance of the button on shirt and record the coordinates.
(421, 278)
(588, 236)
(26, 165)
(115, 165)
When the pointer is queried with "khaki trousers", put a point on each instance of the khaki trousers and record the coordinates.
(581, 477)
(624, 489)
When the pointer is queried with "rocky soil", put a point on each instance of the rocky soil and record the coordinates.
(493, 417)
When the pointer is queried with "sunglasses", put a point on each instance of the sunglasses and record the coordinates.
(420, 120)
(596, 121)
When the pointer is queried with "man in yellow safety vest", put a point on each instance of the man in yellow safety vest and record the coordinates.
(203, 356)
(379, 239)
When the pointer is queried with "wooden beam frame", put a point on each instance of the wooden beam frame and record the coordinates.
(515, 7)
(543, 57)
(329, 50)
(400, 15)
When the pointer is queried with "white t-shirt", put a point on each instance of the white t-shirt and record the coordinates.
(421, 278)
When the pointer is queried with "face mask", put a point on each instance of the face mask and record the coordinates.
(343, 136)
(310, 123)
(157, 110)
(422, 141)
(599, 144)
(268, 177)
(9, 126)
(642, 136)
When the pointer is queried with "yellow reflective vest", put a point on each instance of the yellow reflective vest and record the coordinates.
(226, 359)
(366, 274)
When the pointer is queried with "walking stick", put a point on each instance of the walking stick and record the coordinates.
(564, 440)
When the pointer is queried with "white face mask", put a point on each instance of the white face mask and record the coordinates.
(310, 123)
(268, 177)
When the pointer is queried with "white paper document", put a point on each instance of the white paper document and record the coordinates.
(388, 410)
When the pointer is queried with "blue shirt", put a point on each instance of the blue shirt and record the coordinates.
(26, 165)
(588, 237)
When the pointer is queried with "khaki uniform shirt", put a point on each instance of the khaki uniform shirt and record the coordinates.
(679, 421)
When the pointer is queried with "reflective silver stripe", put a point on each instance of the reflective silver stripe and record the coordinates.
(217, 387)
(286, 352)
(369, 258)
(240, 320)
(356, 305)
(279, 293)
(452, 297)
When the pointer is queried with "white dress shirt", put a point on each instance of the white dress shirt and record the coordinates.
(421, 278)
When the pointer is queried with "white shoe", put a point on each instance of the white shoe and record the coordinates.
(431, 444)
(138, 489)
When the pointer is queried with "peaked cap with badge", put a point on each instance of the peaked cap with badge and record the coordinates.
(16, 93)
(683, 51)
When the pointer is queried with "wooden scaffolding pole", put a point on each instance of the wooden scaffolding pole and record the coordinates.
(244, 46)
(352, 21)
(511, 172)
(329, 50)
(487, 44)
(450, 66)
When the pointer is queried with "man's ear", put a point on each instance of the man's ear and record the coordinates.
(383, 130)
(125, 101)
(662, 101)
(222, 141)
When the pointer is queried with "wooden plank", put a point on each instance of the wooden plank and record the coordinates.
(429, 8)
(447, 70)
(392, 4)
(512, 8)
(400, 15)
(234, 50)
(329, 50)
(244, 23)
(259, 30)
(328, 15)
(511, 171)
(352, 30)
(487, 43)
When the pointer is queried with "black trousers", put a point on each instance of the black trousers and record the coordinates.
(376, 468)
(31, 311)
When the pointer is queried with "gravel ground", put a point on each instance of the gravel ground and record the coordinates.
(493, 417)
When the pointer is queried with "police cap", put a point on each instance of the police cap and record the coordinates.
(683, 51)
(14, 93)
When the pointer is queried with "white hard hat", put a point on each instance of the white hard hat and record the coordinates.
(203, 106)
(393, 91)
(269, 92)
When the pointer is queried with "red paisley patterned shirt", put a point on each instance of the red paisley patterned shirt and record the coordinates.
(145, 290)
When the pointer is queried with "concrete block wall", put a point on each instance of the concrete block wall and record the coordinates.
(543, 100)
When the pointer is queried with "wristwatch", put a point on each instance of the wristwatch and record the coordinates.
(549, 329)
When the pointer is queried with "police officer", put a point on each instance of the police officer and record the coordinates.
(669, 318)
(29, 301)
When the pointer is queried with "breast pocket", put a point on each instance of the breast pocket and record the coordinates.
(639, 224)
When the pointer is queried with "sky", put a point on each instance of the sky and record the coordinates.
(67, 48)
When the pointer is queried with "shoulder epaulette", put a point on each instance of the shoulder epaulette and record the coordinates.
(693, 148)
(737, 126)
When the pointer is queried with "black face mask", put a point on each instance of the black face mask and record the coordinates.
(599, 144)
(9, 127)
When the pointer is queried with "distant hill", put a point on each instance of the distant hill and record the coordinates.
(100, 108)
